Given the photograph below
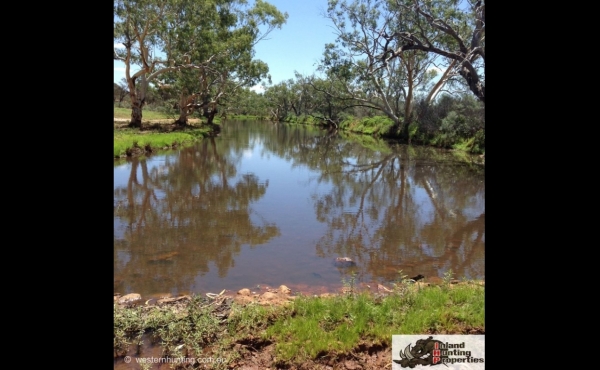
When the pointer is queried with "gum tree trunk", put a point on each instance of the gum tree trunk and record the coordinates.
(186, 107)
(136, 113)
(137, 102)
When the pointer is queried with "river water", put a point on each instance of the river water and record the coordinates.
(267, 204)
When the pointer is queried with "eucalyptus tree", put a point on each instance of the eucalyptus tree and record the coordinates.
(280, 97)
(355, 61)
(249, 102)
(229, 34)
(452, 29)
(308, 96)
(177, 35)
(293, 96)
(138, 25)
(327, 99)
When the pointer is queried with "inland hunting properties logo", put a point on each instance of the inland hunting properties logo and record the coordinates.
(430, 352)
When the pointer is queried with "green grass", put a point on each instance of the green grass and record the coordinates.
(243, 117)
(146, 114)
(125, 139)
(318, 326)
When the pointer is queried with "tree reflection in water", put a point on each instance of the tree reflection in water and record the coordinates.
(183, 216)
(388, 207)
(421, 214)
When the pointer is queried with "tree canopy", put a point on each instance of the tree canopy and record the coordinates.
(208, 44)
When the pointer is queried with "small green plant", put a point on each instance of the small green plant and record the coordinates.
(448, 276)
(128, 329)
(402, 279)
(350, 283)
(405, 287)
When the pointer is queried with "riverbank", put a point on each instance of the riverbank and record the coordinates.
(154, 135)
(162, 134)
(384, 127)
(276, 328)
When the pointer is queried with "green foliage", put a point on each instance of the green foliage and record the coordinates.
(462, 37)
(196, 46)
(456, 131)
(475, 144)
(452, 122)
(249, 103)
(377, 125)
(412, 129)
(305, 119)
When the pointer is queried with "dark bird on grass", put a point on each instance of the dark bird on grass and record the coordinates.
(417, 278)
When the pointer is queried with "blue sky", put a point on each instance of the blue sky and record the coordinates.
(297, 46)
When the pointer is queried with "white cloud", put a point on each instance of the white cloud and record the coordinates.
(119, 46)
(120, 69)
(258, 88)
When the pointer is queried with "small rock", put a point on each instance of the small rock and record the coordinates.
(244, 291)
(128, 298)
(351, 365)
(382, 288)
(268, 295)
(285, 290)
(171, 300)
(344, 262)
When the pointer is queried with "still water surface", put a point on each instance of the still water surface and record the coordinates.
(265, 205)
